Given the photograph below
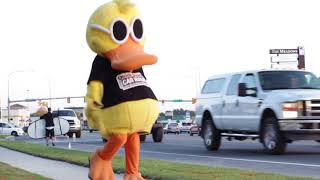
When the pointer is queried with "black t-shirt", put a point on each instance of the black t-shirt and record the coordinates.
(119, 86)
(49, 119)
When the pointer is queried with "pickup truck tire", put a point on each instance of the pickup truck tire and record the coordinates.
(211, 135)
(78, 134)
(157, 135)
(104, 140)
(272, 138)
(70, 134)
(143, 138)
(14, 133)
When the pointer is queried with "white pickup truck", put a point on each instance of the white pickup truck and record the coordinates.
(274, 106)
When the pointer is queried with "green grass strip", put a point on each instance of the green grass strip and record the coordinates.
(8, 172)
(153, 169)
(3, 136)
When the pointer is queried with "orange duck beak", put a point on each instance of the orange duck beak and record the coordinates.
(129, 56)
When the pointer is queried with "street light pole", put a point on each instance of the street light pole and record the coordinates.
(28, 98)
(10, 74)
(9, 96)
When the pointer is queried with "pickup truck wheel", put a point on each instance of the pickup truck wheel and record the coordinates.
(157, 135)
(211, 136)
(14, 133)
(104, 139)
(70, 135)
(143, 138)
(78, 134)
(272, 138)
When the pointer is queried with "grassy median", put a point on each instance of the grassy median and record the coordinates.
(3, 136)
(8, 172)
(152, 169)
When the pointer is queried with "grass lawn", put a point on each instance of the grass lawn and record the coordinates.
(8, 172)
(3, 136)
(153, 169)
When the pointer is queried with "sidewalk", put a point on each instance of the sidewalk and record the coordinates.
(49, 168)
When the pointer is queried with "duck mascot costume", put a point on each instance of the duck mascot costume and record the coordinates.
(119, 101)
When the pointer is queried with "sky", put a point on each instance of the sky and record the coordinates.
(44, 51)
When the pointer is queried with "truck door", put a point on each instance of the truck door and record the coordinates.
(230, 106)
(249, 105)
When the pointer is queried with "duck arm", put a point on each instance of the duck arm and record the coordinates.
(93, 99)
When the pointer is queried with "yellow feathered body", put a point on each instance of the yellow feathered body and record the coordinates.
(127, 118)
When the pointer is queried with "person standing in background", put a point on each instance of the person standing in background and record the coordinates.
(49, 127)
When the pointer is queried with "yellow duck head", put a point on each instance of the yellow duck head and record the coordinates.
(115, 31)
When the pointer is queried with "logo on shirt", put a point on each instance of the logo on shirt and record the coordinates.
(130, 80)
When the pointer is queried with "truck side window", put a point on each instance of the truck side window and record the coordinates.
(213, 86)
(233, 85)
(250, 82)
(6, 126)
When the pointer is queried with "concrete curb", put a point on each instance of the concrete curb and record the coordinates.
(48, 167)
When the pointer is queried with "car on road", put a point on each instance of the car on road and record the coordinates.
(195, 129)
(71, 117)
(10, 129)
(276, 106)
(186, 127)
(173, 128)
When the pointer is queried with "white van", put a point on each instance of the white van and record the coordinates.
(275, 106)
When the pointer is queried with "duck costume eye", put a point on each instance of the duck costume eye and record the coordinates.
(137, 29)
(119, 31)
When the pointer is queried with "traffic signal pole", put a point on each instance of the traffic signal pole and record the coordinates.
(82, 97)
(43, 99)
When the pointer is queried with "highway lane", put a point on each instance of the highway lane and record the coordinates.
(302, 158)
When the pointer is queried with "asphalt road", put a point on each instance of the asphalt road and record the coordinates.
(302, 158)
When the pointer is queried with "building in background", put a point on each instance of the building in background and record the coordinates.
(19, 115)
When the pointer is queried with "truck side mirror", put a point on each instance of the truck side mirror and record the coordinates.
(242, 89)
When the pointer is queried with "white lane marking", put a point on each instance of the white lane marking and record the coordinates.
(226, 158)
(236, 159)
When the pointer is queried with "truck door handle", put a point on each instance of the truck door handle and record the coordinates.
(237, 102)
